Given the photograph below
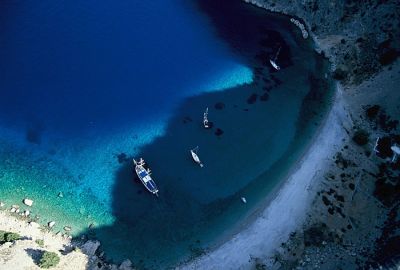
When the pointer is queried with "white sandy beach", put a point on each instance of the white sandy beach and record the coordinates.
(286, 212)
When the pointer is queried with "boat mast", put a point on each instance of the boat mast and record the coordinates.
(277, 53)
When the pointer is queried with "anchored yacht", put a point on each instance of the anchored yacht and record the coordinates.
(206, 124)
(144, 176)
(195, 157)
(273, 62)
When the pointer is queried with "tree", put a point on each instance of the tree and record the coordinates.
(361, 137)
(10, 237)
(49, 259)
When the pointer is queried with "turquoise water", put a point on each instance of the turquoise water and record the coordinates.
(87, 86)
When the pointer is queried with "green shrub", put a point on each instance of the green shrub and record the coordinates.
(40, 242)
(10, 237)
(2, 236)
(49, 259)
(361, 137)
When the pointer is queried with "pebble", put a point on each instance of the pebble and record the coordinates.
(28, 202)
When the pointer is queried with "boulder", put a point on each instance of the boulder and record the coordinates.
(2, 204)
(125, 265)
(90, 247)
(51, 224)
(34, 224)
(67, 228)
(28, 202)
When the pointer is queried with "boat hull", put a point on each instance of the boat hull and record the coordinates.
(274, 65)
(146, 179)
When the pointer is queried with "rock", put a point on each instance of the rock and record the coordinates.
(2, 204)
(28, 202)
(51, 224)
(12, 210)
(219, 105)
(34, 224)
(17, 210)
(26, 213)
(90, 247)
(219, 132)
(67, 228)
(125, 265)
(300, 26)
(60, 194)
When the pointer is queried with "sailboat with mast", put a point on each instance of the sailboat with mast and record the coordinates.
(195, 157)
(273, 61)
(144, 176)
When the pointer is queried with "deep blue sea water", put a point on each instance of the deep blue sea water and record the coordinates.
(87, 85)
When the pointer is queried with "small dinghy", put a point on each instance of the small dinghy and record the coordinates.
(195, 157)
(206, 124)
(273, 61)
(243, 199)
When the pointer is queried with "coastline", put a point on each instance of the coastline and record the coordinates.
(35, 239)
(271, 226)
(21, 253)
(277, 239)
(294, 196)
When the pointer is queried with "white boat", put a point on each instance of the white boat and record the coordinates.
(144, 176)
(243, 199)
(273, 61)
(396, 152)
(274, 64)
(206, 124)
(195, 157)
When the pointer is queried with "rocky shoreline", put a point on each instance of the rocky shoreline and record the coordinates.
(33, 240)
(352, 215)
(353, 221)
(358, 38)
